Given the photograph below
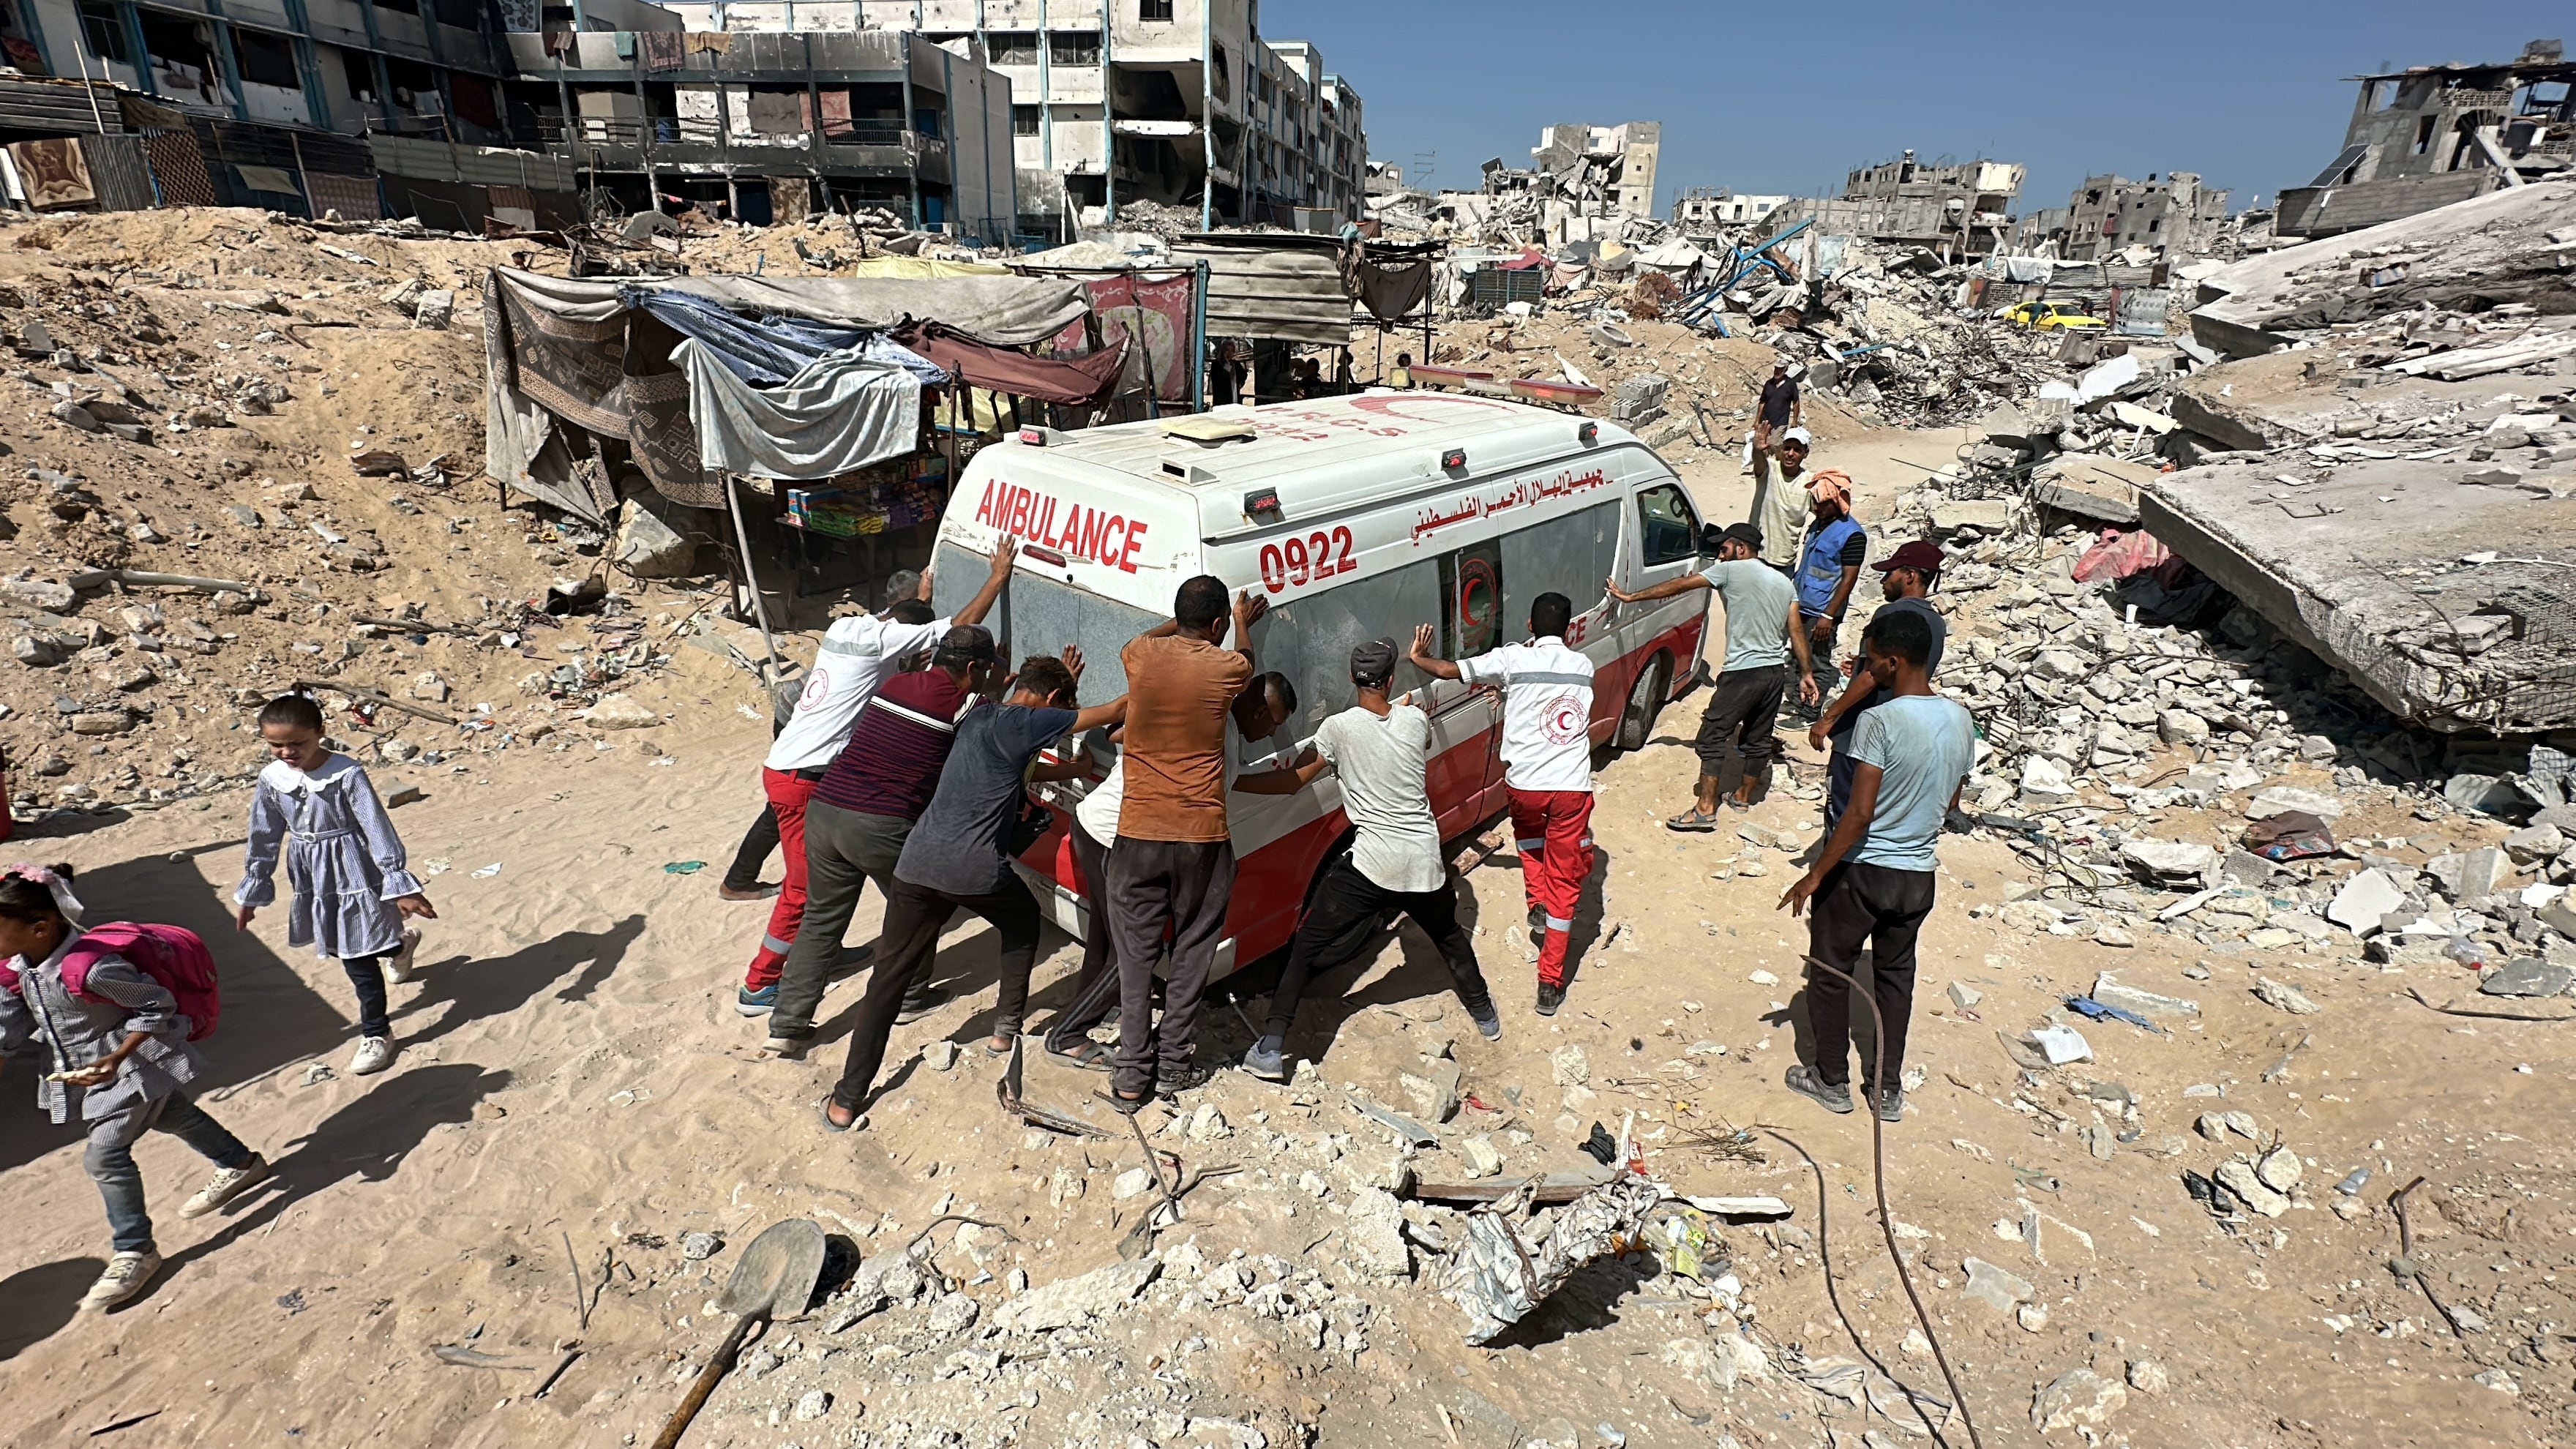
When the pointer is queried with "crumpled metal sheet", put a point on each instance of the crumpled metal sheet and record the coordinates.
(1498, 1273)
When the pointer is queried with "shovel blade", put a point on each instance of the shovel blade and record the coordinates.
(776, 1275)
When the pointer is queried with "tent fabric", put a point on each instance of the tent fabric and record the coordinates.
(841, 413)
(922, 268)
(1275, 285)
(1005, 311)
(774, 349)
(1084, 381)
(1391, 292)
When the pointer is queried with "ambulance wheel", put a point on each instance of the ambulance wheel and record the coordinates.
(1645, 701)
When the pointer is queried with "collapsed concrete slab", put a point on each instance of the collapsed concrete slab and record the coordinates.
(2452, 604)
(2104, 490)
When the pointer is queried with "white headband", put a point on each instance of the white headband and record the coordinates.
(64, 901)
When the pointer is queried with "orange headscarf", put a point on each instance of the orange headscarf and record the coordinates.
(1831, 483)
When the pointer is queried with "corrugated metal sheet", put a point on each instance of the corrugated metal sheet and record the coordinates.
(428, 160)
(119, 173)
(57, 107)
(1271, 286)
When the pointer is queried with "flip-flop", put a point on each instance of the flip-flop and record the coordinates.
(1090, 1056)
(1128, 1106)
(823, 1109)
(996, 1052)
(1692, 820)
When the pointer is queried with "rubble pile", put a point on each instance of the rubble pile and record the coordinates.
(250, 470)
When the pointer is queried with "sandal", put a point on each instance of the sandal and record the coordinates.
(1128, 1106)
(999, 1052)
(1086, 1055)
(1692, 820)
(823, 1109)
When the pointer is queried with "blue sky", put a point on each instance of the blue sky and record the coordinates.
(1786, 98)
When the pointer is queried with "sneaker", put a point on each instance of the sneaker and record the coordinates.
(1891, 1107)
(1268, 1060)
(127, 1275)
(786, 1048)
(852, 961)
(398, 966)
(374, 1054)
(756, 1003)
(226, 1185)
(1549, 999)
(920, 1004)
(1832, 1096)
(1489, 1022)
(1169, 1083)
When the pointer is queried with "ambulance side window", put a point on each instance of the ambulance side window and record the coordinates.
(1569, 556)
(1668, 529)
(1310, 639)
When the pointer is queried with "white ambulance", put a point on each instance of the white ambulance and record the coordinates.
(1357, 518)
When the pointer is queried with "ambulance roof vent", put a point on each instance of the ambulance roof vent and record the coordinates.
(1210, 430)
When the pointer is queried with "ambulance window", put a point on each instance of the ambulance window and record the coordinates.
(1039, 615)
(1669, 530)
(1569, 556)
(1310, 640)
(1471, 601)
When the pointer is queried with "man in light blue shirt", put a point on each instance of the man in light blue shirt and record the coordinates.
(1872, 882)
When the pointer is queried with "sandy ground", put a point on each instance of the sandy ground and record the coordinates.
(572, 1072)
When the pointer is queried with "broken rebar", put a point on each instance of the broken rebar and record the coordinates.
(2406, 1266)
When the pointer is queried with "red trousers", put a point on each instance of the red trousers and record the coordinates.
(1553, 829)
(787, 794)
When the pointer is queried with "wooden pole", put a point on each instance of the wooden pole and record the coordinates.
(751, 579)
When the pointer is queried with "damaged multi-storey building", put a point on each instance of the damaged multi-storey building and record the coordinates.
(2169, 216)
(2439, 134)
(1584, 183)
(1704, 210)
(1180, 103)
(1955, 209)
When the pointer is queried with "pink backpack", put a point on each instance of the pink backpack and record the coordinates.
(172, 955)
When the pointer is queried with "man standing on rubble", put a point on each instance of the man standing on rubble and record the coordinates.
(1547, 769)
(1872, 882)
(1761, 634)
(1906, 578)
(1780, 497)
(1828, 567)
(855, 657)
(1781, 407)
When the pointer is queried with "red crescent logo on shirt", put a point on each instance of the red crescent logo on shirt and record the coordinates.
(816, 689)
(1564, 722)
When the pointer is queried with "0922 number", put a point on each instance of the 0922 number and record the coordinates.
(1308, 560)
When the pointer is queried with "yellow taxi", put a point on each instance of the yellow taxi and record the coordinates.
(2048, 316)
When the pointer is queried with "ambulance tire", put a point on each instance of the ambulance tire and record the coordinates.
(1645, 701)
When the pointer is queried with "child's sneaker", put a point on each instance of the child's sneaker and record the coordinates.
(755, 1003)
(127, 1275)
(398, 966)
(375, 1053)
(226, 1185)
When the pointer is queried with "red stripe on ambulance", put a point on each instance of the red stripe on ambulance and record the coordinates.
(1111, 540)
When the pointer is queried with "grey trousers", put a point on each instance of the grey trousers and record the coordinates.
(1154, 884)
(844, 850)
(109, 1159)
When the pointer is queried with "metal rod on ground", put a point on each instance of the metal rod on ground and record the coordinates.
(751, 580)
(1886, 1219)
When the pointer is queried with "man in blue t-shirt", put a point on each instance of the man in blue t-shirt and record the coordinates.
(1872, 881)
(1907, 577)
(957, 857)
(1828, 567)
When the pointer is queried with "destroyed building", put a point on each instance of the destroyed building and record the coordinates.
(2172, 216)
(1703, 210)
(1959, 209)
(774, 127)
(2438, 134)
(1180, 103)
(1584, 184)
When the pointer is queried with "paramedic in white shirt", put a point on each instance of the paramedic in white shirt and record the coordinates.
(1547, 759)
(856, 655)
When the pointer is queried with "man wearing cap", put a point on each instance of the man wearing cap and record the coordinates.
(1762, 634)
(863, 811)
(856, 655)
(1780, 497)
(1381, 750)
(1547, 769)
(1781, 407)
(1906, 578)
(1828, 566)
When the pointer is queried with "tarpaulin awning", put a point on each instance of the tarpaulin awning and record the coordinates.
(1391, 291)
(1530, 257)
(921, 268)
(1084, 381)
(1280, 285)
(1004, 310)
(774, 349)
(839, 414)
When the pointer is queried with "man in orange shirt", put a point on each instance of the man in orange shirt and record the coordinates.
(1173, 862)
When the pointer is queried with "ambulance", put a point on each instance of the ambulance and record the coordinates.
(1357, 518)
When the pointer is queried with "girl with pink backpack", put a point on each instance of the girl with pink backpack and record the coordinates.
(115, 1009)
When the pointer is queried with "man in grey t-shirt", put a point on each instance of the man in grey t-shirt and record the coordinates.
(1907, 579)
(1382, 752)
(1872, 882)
(1762, 634)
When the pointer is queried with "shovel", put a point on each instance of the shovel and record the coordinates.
(776, 1276)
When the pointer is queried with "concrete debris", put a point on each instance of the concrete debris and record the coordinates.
(2079, 1399)
(1072, 1302)
(1993, 1286)
(2285, 996)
